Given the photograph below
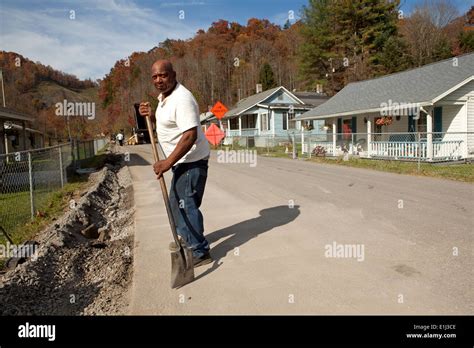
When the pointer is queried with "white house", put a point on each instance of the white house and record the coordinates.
(424, 113)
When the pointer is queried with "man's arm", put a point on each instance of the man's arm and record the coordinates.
(184, 145)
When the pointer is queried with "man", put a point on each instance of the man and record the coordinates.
(120, 138)
(187, 152)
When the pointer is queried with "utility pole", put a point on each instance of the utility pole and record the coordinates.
(3, 88)
(5, 137)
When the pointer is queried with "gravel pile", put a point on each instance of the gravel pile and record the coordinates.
(84, 262)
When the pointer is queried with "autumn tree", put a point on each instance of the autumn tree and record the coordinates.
(423, 31)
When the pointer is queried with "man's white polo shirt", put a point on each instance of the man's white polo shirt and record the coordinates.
(176, 114)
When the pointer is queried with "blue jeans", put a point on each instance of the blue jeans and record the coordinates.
(186, 192)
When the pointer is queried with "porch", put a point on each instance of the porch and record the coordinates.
(394, 146)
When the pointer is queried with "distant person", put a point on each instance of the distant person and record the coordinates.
(187, 150)
(120, 138)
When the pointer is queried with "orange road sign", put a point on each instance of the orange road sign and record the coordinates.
(219, 110)
(214, 135)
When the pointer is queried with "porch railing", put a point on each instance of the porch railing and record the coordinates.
(451, 149)
(398, 146)
(398, 150)
(246, 132)
(232, 133)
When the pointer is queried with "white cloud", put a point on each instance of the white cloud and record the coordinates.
(88, 46)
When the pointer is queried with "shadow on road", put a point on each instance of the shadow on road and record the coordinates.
(246, 230)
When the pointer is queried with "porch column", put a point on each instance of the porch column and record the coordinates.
(334, 129)
(369, 137)
(429, 135)
(272, 112)
(240, 126)
(258, 122)
(302, 141)
(228, 126)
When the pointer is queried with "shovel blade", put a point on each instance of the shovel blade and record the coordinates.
(182, 268)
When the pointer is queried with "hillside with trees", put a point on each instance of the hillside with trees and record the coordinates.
(34, 89)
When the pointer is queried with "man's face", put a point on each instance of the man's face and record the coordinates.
(163, 79)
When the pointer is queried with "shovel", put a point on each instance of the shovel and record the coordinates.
(182, 266)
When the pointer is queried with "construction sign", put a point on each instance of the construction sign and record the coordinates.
(219, 110)
(214, 134)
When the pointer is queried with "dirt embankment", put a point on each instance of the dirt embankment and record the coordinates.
(83, 265)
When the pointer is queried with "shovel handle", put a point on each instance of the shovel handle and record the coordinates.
(162, 183)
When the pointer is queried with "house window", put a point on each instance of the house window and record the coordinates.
(264, 122)
(308, 125)
(249, 121)
(234, 123)
(280, 96)
(291, 122)
(288, 122)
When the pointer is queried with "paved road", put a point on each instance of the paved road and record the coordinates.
(271, 229)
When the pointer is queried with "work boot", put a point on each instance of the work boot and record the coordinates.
(203, 260)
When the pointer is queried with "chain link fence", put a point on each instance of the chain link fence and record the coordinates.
(28, 179)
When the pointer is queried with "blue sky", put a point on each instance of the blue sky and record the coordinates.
(104, 31)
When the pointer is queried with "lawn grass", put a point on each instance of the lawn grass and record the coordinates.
(96, 161)
(459, 172)
(54, 204)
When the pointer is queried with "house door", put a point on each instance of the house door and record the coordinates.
(377, 130)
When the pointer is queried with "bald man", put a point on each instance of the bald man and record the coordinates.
(187, 152)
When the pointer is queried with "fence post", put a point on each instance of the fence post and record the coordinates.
(369, 137)
(294, 145)
(352, 144)
(72, 153)
(78, 158)
(302, 141)
(30, 175)
(61, 172)
(419, 150)
(309, 146)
